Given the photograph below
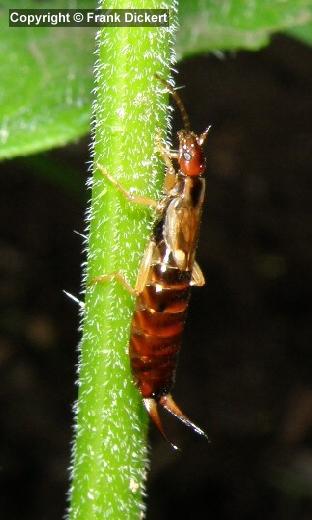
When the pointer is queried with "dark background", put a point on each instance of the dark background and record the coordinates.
(246, 364)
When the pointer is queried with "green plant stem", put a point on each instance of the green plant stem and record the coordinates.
(110, 452)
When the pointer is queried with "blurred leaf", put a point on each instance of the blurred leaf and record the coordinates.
(219, 25)
(46, 83)
(302, 33)
(46, 73)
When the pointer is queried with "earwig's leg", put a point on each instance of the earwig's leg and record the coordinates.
(142, 274)
(115, 276)
(168, 403)
(198, 278)
(132, 197)
(151, 407)
(170, 181)
(145, 267)
(167, 155)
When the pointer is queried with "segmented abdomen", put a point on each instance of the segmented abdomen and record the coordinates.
(157, 328)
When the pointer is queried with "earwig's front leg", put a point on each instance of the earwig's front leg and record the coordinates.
(166, 154)
(138, 199)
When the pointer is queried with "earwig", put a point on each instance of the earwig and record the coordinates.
(167, 272)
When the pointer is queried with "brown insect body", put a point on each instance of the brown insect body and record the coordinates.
(161, 306)
(160, 312)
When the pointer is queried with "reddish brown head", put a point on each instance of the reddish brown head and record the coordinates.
(191, 158)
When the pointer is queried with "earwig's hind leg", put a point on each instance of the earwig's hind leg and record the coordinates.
(132, 197)
(151, 407)
(198, 278)
(115, 276)
(168, 403)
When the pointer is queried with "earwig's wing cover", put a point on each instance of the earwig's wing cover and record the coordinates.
(145, 267)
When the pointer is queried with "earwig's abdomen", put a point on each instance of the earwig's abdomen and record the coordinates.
(157, 328)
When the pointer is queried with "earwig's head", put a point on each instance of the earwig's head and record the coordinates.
(191, 158)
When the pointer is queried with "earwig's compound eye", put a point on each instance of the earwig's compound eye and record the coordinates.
(187, 156)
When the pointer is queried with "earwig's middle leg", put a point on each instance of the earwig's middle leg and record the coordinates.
(141, 278)
(132, 197)
(115, 276)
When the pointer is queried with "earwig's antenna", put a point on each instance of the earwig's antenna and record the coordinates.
(178, 101)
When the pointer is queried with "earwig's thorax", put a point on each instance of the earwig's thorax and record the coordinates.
(191, 158)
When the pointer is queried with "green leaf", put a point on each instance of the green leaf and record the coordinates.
(219, 25)
(46, 83)
(46, 73)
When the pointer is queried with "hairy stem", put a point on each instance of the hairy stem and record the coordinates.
(110, 452)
